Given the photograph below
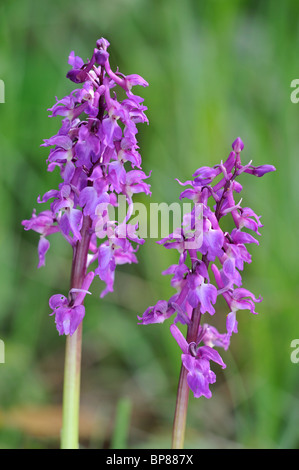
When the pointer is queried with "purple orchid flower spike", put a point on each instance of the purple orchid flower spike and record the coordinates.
(97, 154)
(197, 293)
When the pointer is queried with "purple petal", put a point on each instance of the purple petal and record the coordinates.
(101, 56)
(43, 247)
(208, 296)
(193, 298)
(238, 145)
(229, 268)
(62, 320)
(84, 289)
(75, 221)
(76, 318)
(88, 200)
(180, 339)
(230, 162)
(231, 323)
(211, 337)
(48, 195)
(196, 379)
(242, 237)
(135, 79)
(157, 313)
(57, 300)
(105, 255)
(108, 277)
(199, 385)
(62, 141)
(211, 355)
(68, 172)
(75, 61)
(260, 170)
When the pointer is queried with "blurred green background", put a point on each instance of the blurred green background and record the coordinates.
(217, 70)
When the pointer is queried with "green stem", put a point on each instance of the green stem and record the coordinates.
(180, 416)
(181, 408)
(72, 367)
(71, 391)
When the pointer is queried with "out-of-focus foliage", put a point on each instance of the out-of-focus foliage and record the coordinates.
(217, 70)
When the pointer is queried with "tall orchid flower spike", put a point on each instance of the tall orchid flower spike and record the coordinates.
(96, 154)
(196, 293)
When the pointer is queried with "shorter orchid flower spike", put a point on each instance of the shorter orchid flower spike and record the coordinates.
(211, 267)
